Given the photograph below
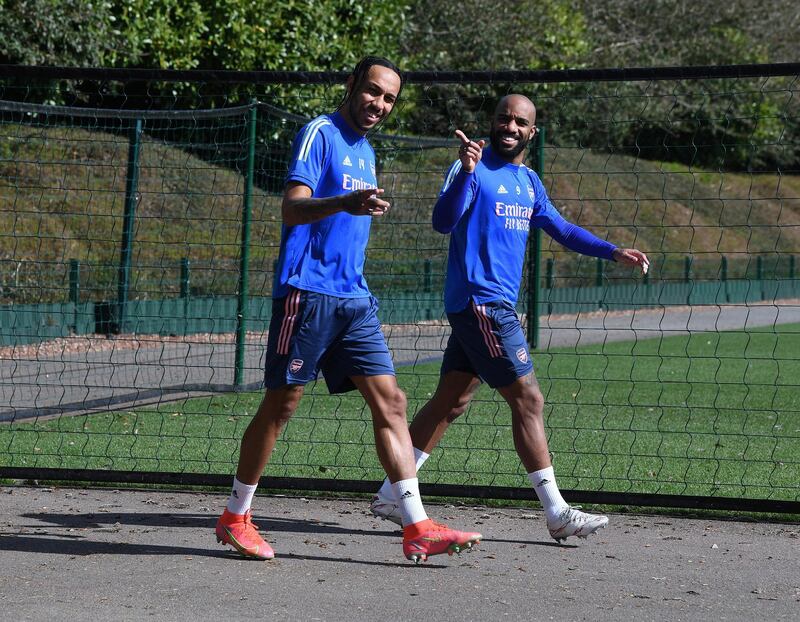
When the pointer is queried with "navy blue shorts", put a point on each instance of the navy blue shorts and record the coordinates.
(311, 332)
(487, 341)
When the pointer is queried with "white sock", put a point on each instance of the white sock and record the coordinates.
(544, 484)
(385, 493)
(241, 497)
(406, 491)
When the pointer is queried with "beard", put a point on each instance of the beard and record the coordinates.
(355, 115)
(496, 140)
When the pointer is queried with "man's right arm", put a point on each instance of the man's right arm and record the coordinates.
(454, 199)
(300, 208)
(459, 187)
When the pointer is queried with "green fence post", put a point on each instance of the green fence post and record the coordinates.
(184, 287)
(549, 281)
(74, 290)
(247, 208)
(184, 277)
(791, 267)
(723, 275)
(687, 277)
(427, 280)
(760, 275)
(535, 253)
(129, 219)
(598, 278)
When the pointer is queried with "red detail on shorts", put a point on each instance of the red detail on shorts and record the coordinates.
(292, 306)
(485, 324)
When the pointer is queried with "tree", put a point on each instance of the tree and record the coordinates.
(483, 35)
(55, 32)
(628, 33)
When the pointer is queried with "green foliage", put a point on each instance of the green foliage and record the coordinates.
(331, 35)
(55, 32)
(162, 34)
(630, 33)
(523, 35)
(483, 35)
(300, 35)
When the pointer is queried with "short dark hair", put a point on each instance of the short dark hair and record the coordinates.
(361, 70)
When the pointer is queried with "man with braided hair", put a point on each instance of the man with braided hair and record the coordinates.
(324, 317)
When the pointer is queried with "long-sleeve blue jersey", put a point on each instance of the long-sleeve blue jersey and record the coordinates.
(489, 213)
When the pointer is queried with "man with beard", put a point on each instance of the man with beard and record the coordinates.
(324, 317)
(488, 204)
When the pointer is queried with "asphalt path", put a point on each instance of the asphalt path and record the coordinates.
(90, 554)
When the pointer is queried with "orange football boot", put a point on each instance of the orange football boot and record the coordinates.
(426, 538)
(241, 533)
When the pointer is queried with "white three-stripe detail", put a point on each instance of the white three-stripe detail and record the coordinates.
(489, 337)
(451, 174)
(310, 134)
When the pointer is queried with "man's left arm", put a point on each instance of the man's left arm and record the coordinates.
(582, 241)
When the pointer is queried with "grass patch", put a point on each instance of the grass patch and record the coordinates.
(702, 414)
(62, 195)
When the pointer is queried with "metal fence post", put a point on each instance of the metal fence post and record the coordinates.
(247, 208)
(687, 277)
(723, 275)
(74, 290)
(760, 275)
(129, 219)
(535, 254)
(184, 289)
(428, 276)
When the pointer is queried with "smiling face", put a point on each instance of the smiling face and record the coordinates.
(513, 126)
(372, 99)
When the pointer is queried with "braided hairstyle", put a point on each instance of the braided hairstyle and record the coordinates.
(360, 72)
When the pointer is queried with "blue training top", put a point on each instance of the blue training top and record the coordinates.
(327, 256)
(489, 213)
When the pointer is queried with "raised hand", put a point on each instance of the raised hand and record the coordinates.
(470, 152)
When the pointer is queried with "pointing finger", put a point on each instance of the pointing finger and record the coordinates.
(462, 137)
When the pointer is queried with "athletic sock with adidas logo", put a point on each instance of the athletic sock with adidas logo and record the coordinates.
(241, 497)
(544, 484)
(385, 493)
(406, 491)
